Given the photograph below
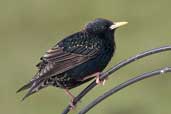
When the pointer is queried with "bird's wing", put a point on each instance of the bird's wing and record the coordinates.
(67, 54)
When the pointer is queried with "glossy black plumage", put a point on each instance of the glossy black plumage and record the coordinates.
(75, 57)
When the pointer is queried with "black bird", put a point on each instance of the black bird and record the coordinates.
(76, 59)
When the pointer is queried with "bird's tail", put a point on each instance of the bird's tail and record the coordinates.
(33, 86)
(27, 86)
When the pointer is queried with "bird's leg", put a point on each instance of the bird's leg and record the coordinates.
(71, 96)
(98, 81)
(88, 77)
(97, 75)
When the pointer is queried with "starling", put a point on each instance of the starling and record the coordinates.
(76, 59)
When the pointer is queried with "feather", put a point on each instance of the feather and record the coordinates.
(66, 55)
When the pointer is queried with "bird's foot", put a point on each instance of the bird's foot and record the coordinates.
(72, 106)
(98, 81)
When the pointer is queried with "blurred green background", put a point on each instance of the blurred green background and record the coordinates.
(30, 27)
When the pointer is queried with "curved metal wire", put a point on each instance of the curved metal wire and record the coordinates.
(113, 69)
(122, 86)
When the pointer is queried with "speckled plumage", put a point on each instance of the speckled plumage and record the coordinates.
(75, 57)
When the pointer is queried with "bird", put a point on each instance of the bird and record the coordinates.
(76, 59)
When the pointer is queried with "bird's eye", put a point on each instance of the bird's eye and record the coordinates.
(105, 27)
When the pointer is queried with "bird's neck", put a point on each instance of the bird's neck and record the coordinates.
(109, 39)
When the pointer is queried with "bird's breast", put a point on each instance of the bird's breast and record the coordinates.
(105, 56)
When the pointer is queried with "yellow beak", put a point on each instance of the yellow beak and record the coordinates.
(117, 24)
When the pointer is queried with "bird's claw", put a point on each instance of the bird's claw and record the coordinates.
(72, 106)
(101, 82)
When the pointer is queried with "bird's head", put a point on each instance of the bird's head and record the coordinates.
(100, 25)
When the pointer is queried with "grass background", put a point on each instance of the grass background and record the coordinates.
(30, 27)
